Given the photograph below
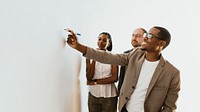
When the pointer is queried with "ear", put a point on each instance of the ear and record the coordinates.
(162, 43)
(108, 44)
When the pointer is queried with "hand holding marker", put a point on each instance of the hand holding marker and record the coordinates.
(68, 30)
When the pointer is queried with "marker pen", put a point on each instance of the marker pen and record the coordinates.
(75, 33)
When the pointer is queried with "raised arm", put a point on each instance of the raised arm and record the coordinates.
(100, 56)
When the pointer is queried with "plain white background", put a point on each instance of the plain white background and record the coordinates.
(38, 73)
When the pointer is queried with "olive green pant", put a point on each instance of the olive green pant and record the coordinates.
(100, 104)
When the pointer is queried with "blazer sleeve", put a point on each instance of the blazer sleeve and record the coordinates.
(107, 57)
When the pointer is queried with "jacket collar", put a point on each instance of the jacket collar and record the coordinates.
(156, 74)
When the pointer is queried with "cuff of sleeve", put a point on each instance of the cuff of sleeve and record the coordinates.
(84, 54)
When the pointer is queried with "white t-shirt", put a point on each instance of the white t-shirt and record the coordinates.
(103, 90)
(136, 102)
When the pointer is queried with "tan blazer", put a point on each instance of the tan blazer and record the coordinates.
(164, 86)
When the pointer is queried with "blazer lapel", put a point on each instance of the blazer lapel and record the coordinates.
(156, 74)
(139, 66)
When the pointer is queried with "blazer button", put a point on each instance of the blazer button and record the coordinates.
(126, 98)
(133, 87)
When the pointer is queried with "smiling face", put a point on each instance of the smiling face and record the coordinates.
(151, 43)
(102, 41)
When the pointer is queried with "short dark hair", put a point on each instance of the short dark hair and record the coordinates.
(164, 35)
(109, 48)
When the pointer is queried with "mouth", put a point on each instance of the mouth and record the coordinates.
(143, 43)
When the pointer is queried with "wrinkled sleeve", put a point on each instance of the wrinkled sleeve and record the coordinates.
(106, 57)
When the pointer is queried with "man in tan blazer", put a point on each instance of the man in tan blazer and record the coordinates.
(151, 84)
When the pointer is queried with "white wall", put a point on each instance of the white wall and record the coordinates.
(38, 73)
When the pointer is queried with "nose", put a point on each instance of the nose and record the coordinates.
(133, 38)
(145, 38)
